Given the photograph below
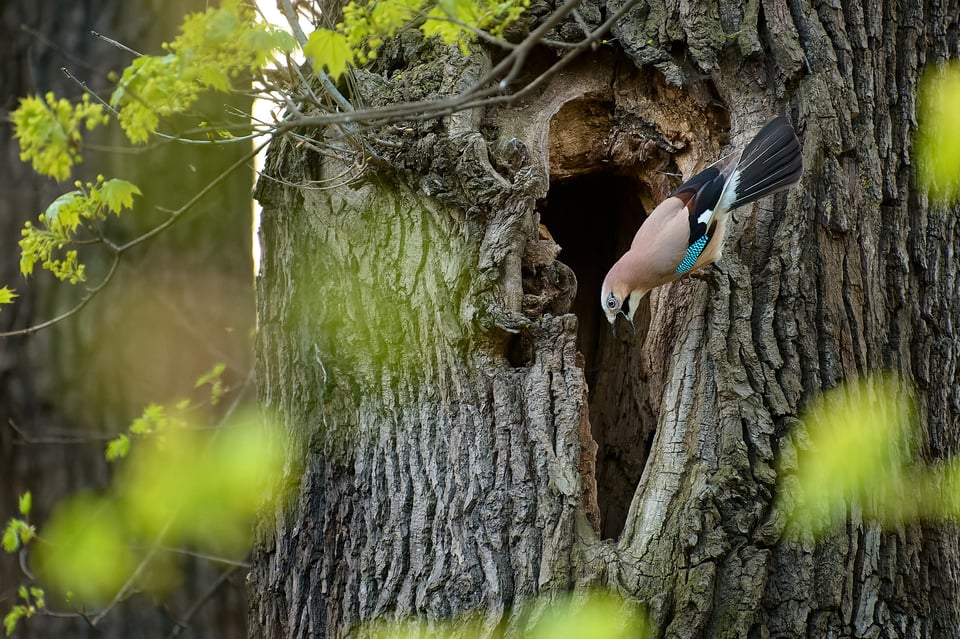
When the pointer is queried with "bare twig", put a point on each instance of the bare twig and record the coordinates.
(233, 563)
(91, 293)
(119, 45)
(301, 37)
(176, 215)
(184, 622)
(489, 90)
(29, 439)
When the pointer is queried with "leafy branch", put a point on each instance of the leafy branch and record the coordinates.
(215, 50)
(186, 483)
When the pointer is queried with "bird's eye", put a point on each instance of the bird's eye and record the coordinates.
(612, 302)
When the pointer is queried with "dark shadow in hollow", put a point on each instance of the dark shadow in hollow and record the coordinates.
(593, 218)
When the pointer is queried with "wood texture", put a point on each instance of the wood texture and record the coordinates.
(414, 335)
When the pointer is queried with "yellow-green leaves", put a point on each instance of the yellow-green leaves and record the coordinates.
(329, 49)
(862, 452)
(194, 487)
(213, 50)
(86, 551)
(25, 503)
(48, 241)
(18, 532)
(447, 18)
(366, 25)
(50, 132)
(7, 295)
(112, 195)
(599, 615)
(596, 614)
(33, 602)
(214, 379)
(938, 137)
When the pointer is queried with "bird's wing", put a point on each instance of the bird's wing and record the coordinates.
(701, 194)
(771, 162)
(701, 197)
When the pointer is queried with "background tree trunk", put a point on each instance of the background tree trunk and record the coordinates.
(178, 306)
(421, 340)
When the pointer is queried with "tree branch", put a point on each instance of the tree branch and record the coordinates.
(484, 92)
(184, 622)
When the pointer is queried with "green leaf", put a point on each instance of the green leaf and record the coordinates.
(7, 295)
(11, 618)
(118, 194)
(26, 502)
(330, 49)
(11, 540)
(50, 132)
(213, 378)
(118, 448)
(154, 418)
(283, 41)
(65, 211)
(212, 375)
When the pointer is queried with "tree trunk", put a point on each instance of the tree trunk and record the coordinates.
(175, 308)
(469, 433)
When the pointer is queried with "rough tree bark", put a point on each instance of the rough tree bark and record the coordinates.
(469, 433)
(145, 339)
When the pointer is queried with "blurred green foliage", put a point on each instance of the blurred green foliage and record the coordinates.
(595, 614)
(938, 138)
(194, 488)
(863, 449)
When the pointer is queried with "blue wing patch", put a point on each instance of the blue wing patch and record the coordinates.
(693, 253)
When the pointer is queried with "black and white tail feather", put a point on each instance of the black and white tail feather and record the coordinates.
(770, 163)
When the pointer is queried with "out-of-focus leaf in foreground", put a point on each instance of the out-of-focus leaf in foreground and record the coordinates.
(193, 488)
(594, 614)
(938, 135)
(862, 440)
(86, 551)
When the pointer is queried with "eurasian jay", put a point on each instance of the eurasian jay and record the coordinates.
(685, 232)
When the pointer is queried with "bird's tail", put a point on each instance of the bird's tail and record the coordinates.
(770, 163)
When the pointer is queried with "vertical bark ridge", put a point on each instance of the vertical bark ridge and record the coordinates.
(449, 472)
(444, 482)
(803, 303)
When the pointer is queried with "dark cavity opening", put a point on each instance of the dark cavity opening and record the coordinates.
(593, 217)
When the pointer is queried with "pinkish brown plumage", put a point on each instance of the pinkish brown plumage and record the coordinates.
(685, 232)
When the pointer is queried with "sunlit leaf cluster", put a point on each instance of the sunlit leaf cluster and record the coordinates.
(33, 602)
(157, 419)
(19, 532)
(50, 131)
(597, 614)
(366, 25)
(451, 19)
(212, 51)
(49, 240)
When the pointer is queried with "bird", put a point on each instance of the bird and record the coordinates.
(685, 232)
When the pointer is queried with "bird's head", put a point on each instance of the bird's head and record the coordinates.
(618, 298)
